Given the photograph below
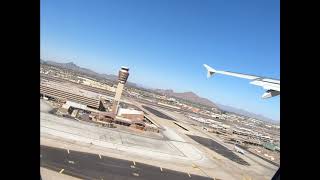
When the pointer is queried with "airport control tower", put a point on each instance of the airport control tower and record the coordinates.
(122, 78)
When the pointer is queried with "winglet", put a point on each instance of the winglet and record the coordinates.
(210, 70)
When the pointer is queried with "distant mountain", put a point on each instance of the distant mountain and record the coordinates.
(245, 113)
(190, 96)
(76, 68)
(110, 77)
(71, 66)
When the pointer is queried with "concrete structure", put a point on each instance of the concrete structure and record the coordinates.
(93, 83)
(131, 114)
(122, 78)
(64, 95)
(76, 105)
(102, 117)
(62, 111)
(74, 113)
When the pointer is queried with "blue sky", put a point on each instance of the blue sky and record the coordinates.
(165, 43)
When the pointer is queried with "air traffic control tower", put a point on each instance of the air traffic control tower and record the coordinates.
(122, 79)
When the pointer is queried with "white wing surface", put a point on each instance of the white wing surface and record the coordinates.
(272, 86)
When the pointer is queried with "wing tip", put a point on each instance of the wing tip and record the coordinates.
(210, 70)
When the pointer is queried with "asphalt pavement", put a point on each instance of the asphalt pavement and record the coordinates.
(158, 113)
(94, 166)
(218, 148)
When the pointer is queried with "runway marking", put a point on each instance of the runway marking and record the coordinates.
(61, 171)
(100, 156)
(134, 163)
(161, 169)
(68, 151)
(189, 175)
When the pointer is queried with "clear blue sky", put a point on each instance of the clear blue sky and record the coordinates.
(165, 43)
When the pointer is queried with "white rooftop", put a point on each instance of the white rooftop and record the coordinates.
(129, 111)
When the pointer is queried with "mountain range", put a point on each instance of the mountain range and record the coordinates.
(195, 98)
(190, 96)
(76, 68)
(245, 113)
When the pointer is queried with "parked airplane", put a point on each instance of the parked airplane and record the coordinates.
(272, 86)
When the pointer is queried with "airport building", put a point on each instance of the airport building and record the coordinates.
(131, 114)
(63, 93)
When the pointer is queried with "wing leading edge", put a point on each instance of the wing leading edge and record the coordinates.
(272, 86)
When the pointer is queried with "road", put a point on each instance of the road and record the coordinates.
(94, 166)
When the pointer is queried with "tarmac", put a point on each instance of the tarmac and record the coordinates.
(93, 166)
(173, 149)
(48, 174)
(219, 149)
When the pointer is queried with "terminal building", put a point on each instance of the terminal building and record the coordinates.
(89, 104)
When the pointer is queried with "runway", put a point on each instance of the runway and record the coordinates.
(94, 166)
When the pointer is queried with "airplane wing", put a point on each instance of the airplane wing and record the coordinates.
(272, 86)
